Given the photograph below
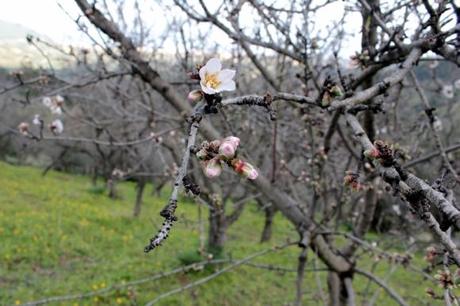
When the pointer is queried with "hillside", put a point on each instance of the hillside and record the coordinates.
(84, 242)
(15, 52)
(12, 31)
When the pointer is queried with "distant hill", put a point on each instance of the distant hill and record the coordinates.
(15, 52)
(12, 31)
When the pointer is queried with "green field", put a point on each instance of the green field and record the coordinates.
(59, 236)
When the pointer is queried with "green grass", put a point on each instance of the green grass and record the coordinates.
(61, 236)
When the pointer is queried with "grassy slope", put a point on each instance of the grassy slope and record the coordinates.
(58, 238)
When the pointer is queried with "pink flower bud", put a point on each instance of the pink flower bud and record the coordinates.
(372, 153)
(212, 168)
(245, 169)
(233, 139)
(228, 149)
(195, 96)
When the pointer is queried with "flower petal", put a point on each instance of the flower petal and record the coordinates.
(226, 75)
(202, 72)
(226, 86)
(208, 90)
(213, 65)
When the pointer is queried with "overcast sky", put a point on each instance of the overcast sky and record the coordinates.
(42, 16)
(46, 17)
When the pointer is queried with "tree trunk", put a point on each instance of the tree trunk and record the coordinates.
(111, 186)
(139, 192)
(338, 295)
(94, 176)
(217, 230)
(267, 231)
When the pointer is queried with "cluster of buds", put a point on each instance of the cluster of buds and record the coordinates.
(156, 138)
(395, 258)
(56, 126)
(382, 152)
(54, 103)
(431, 254)
(359, 59)
(445, 279)
(352, 179)
(118, 174)
(218, 152)
(401, 259)
(430, 293)
(331, 91)
(303, 177)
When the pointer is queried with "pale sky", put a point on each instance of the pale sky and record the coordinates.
(46, 17)
(42, 16)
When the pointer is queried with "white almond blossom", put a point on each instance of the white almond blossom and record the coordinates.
(47, 101)
(448, 91)
(54, 104)
(214, 79)
(57, 126)
(457, 84)
(36, 120)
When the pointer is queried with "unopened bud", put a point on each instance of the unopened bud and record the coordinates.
(372, 153)
(327, 99)
(430, 292)
(212, 168)
(245, 169)
(336, 91)
(233, 139)
(195, 96)
(228, 146)
(214, 145)
(202, 154)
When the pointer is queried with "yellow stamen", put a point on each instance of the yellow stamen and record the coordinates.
(211, 80)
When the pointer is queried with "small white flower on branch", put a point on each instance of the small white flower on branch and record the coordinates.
(156, 138)
(437, 124)
(57, 127)
(117, 173)
(457, 84)
(214, 79)
(448, 91)
(54, 104)
(23, 128)
(47, 101)
(36, 120)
